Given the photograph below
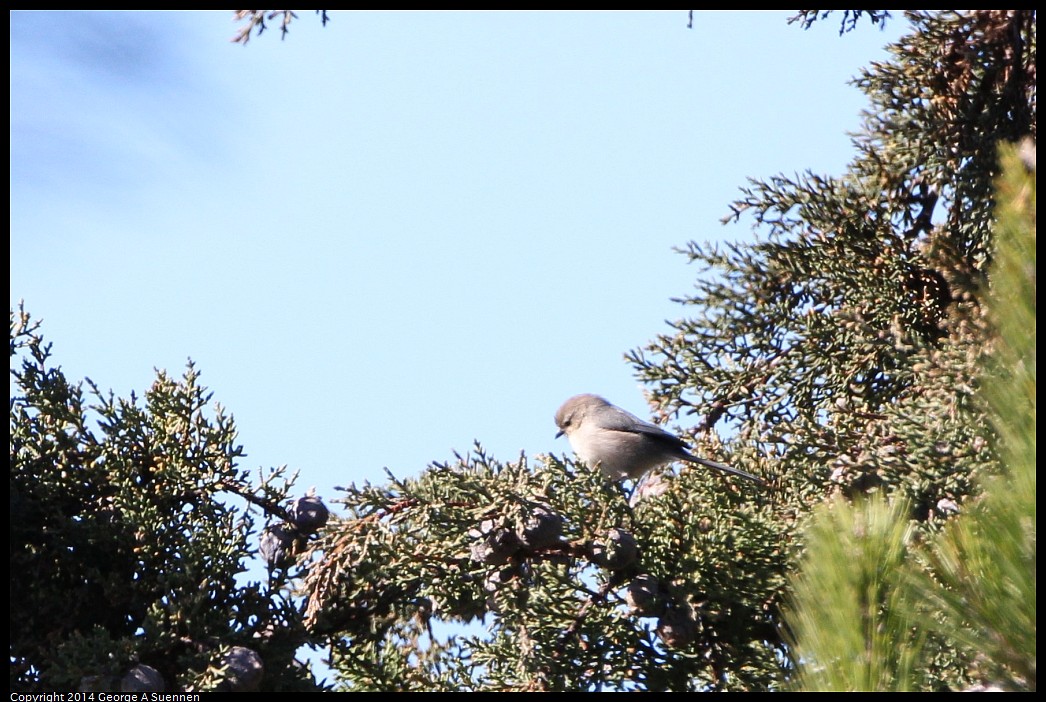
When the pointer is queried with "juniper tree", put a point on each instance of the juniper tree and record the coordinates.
(972, 584)
(131, 526)
(837, 355)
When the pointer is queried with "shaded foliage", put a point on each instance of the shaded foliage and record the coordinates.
(127, 546)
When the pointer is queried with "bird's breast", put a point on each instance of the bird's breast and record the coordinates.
(619, 454)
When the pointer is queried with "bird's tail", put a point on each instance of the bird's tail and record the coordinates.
(726, 469)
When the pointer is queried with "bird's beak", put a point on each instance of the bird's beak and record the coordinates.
(559, 433)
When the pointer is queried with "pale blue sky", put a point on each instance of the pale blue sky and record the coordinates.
(383, 239)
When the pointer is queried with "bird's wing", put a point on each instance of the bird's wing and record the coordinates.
(625, 421)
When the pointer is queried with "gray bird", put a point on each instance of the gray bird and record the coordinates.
(622, 444)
